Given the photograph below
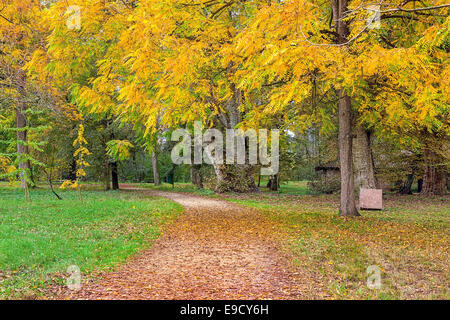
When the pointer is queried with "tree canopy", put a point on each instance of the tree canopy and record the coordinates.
(293, 65)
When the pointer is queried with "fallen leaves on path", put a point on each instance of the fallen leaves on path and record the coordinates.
(216, 250)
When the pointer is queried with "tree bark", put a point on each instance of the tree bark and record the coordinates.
(22, 145)
(106, 175)
(274, 183)
(115, 176)
(196, 176)
(435, 176)
(50, 183)
(72, 174)
(406, 188)
(348, 205)
(136, 170)
(235, 178)
(363, 160)
(419, 185)
(156, 178)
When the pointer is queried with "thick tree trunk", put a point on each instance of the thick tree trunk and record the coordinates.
(22, 148)
(348, 205)
(339, 8)
(156, 178)
(235, 178)
(419, 185)
(115, 176)
(363, 160)
(274, 183)
(196, 176)
(406, 188)
(435, 176)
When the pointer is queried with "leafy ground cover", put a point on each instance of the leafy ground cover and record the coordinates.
(215, 250)
(408, 241)
(40, 239)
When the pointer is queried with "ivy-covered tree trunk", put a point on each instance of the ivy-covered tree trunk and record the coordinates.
(363, 160)
(22, 145)
(234, 177)
(435, 175)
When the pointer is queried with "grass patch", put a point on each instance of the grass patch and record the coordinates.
(44, 237)
(408, 241)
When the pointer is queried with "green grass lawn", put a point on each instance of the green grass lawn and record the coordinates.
(44, 237)
(408, 241)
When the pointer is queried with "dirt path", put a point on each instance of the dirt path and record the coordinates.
(216, 250)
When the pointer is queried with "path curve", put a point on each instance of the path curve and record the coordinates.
(215, 250)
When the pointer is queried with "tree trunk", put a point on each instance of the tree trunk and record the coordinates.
(136, 170)
(348, 205)
(406, 188)
(274, 183)
(419, 185)
(170, 177)
(22, 145)
(363, 160)
(156, 179)
(50, 183)
(32, 181)
(196, 176)
(106, 176)
(435, 176)
(235, 178)
(72, 175)
(114, 176)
